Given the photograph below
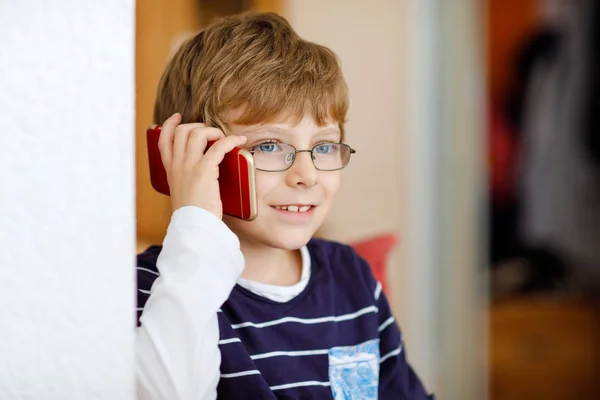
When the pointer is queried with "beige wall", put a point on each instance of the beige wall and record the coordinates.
(387, 53)
(369, 38)
(414, 69)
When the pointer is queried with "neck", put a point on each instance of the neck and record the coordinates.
(271, 265)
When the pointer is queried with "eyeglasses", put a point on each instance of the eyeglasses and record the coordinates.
(277, 157)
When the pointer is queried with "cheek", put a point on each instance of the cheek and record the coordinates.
(265, 183)
(330, 183)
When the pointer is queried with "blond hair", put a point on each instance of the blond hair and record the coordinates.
(255, 62)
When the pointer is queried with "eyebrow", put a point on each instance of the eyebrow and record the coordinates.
(265, 131)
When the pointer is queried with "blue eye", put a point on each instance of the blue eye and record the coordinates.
(267, 148)
(324, 148)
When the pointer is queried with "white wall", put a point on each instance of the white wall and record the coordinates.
(67, 199)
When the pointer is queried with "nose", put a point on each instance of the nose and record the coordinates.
(302, 172)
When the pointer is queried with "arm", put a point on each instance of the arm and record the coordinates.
(177, 354)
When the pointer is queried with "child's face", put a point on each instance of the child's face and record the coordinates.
(301, 185)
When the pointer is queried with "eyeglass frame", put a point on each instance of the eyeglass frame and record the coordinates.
(312, 157)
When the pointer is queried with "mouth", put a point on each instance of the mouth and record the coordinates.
(295, 208)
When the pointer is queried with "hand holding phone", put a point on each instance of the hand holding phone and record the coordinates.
(217, 177)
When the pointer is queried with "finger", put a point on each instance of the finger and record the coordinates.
(165, 140)
(182, 133)
(196, 146)
(217, 152)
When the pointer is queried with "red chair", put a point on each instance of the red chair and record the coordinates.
(376, 251)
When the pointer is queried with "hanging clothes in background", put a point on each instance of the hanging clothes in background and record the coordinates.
(559, 168)
(592, 118)
(505, 127)
(518, 268)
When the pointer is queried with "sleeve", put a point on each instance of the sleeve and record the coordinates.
(177, 354)
(395, 374)
(397, 380)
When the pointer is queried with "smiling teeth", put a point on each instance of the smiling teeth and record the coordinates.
(294, 208)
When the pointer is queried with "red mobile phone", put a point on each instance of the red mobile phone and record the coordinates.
(236, 178)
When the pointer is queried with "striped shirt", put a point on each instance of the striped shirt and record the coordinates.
(336, 339)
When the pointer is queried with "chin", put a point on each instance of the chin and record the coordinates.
(272, 235)
(288, 240)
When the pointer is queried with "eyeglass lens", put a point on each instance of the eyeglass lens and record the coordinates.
(281, 156)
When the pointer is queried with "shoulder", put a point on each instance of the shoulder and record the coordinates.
(342, 260)
(146, 273)
(149, 256)
(146, 261)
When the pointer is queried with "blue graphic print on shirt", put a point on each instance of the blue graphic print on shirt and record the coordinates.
(354, 371)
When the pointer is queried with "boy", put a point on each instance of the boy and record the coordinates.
(259, 310)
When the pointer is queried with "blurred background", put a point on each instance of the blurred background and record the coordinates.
(475, 191)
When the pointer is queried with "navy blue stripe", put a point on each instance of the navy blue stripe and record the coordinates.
(330, 335)
(235, 359)
(246, 387)
(284, 370)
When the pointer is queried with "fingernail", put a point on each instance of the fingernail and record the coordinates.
(243, 138)
(173, 116)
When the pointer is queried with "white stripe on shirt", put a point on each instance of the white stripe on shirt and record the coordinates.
(377, 291)
(148, 270)
(308, 321)
(243, 373)
(299, 384)
(289, 353)
(300, 352)
(387, 323)
(232, 340)
(391, 354)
